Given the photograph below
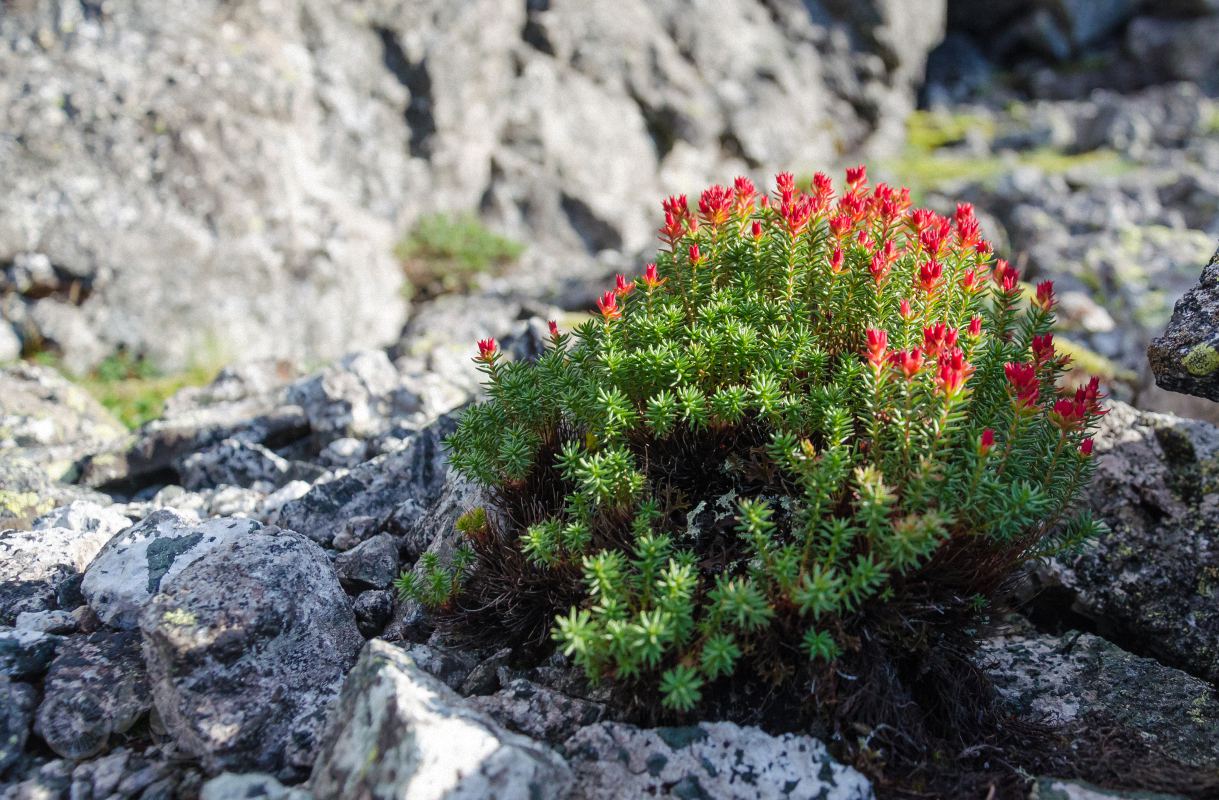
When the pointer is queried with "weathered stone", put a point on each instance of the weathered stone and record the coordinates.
(58, 622)
(404, 483)
(246, 650)
(250, 786)
(35, 564)
(235, 463)
(26, 654)
(1153, 578)
(711, 759)
(484, 678)
(1077, 675)
(372, 564)
(429, 743)
(373, 610)
(450, 666)
(1186, 359)
(96, 688)
(357, 396)
(1057, 789)
(539, 712)
(17, 704)
(133, 566)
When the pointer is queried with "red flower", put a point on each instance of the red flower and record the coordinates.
(608, 304)
(1043, 348)
(695, 254)
(677, 205)
(929, 275)
(903, 308)
(1022, 383)
(756, 230)
(857, 176)
(909, 362)
(651, 278)
(1085, 447)
(975, 327)
(823, 188)
(836, 261)
(1067, 414)
(486, 350)
(1045, 295)
(715, 205)
(938, 338)
(554, 329)
(987, 441)
(622, 286)
(796, 213)
(970, 281)
(1090, 395)
(1001, 272)
(954, 371)
(878, 341)
(743, 192)
(673, 228)
(965, 212)
(879, 267)
(840, 226)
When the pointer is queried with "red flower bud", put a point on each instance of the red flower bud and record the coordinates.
(486, 350)
(1043, 348)
(695, 254)
(857, 176)
(953, 372)
(986, 442)
(975, 327)
(554, 329)
(1085, 447)
(903, 308)
(836, 261)
(715, 205)
(878, 341)
(756, 230)
(938, 338)
(622, 286)
(909, 362)
(1045, 295)
(608, 304)
(1022, 383)
(651, 277)
(929, 275)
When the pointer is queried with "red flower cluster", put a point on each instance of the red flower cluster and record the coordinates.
(607, 303)
(909, 362)
(1023, 383)
(954, 370)
(486, 350)
(938, 338)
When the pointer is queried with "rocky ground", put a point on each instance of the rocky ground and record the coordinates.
(154, 638)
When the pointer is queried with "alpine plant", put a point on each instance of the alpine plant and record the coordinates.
(814, 403)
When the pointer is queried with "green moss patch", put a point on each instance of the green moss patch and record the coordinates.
(446, 253)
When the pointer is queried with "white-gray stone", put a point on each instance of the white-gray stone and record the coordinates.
(711, 759)
(133, 565)
(429, 744)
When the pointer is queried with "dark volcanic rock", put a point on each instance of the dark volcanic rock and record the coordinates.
(1186, 358)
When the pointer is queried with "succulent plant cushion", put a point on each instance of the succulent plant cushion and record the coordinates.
(802, 448)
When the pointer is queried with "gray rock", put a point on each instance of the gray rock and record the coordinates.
(49, 419)
(539, 712)
(124, 773)
(711, 759)
(96, 688)
(373, 610)
(1058, 789)
(345, 452)
(58, 622)
(17, 704)
(217, 166)
(484, 678)
(133, 566)
(1079, 676)
(1186, 358)
(450, 666)
(235, 463)
(85, 516)
(357, 396)
(250, 786)
(1152, 578)
(51, 780)
(26, 654)
(430, 744)
(372, 564)
(244, 665)
(404, 483)
(10, 344)
(1174, 49)
(1088, 21)
(36, 564)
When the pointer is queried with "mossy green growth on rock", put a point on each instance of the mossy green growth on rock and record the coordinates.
(446, 253)
(1201, 360)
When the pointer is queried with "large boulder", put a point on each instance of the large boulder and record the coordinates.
(246, 650)
(1186, 358)
(174, 171)
(711, 759)
(398, 732)
(17, 704)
